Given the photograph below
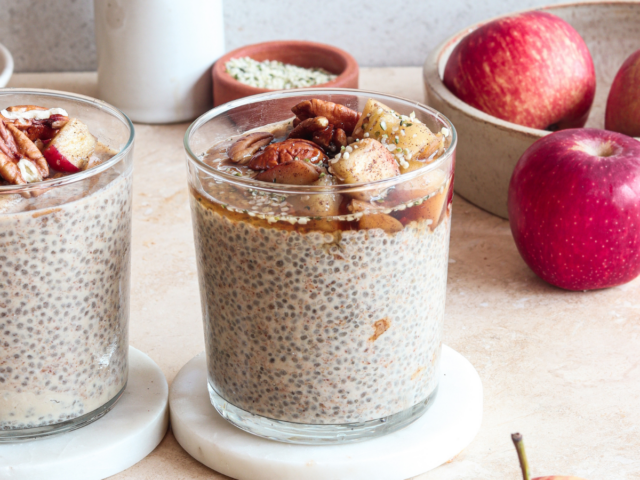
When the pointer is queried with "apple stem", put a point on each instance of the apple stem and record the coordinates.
(522, 455)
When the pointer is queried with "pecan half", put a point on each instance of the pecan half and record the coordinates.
(286, 152)
(245, 147)
(338, 115)
(309, 126)
(8, 144)
(29, 150)
(292, 173)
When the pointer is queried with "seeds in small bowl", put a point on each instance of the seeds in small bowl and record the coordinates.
(276, 75)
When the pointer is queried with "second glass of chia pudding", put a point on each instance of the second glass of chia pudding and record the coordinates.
(65, 255)
(321, 221)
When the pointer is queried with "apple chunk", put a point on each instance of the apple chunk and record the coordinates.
(297, 172)
(318, 204)
(380, 220)
(408, 135)
(368, 161)
(69, 151)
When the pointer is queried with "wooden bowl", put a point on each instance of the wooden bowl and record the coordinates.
(300, 53)
(489, 148)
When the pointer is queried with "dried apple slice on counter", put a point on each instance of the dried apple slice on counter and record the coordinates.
(70, 150)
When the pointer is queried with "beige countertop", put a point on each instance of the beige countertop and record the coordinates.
(563, 368)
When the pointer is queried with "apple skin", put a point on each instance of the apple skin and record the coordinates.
(57, 161)
(558, 477)
(623, 104)
(532, 69)
(574, 208)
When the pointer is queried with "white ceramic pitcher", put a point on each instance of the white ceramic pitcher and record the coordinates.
(155, 56)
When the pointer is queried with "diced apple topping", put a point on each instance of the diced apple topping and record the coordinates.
(297, 172)
(35, 138)
(325, 205)
(404, 136)
(380, 220)
(367, 161)
(70, 150)
(314, 150)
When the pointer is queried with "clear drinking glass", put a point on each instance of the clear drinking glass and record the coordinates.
(319, 329)
(65, 255)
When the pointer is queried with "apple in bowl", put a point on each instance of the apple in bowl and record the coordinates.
(532, 69)
(623, 104)
(574, 208)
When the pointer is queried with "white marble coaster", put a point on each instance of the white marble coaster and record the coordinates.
(120, 439)
(439, 435)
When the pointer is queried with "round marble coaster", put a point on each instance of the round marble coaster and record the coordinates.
(439, 435)
(120, 439)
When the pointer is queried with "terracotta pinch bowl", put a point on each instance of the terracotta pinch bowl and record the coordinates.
(295, 52)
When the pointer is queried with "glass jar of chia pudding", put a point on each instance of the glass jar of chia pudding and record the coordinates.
(65, 255)
(322, 264)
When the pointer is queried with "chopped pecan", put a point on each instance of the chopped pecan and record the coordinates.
(308, 127)
(245, 147)
(331, 139)
(338, 115)
(286, 152)
(323, 137)
(339, 138)
(44, 129)
(292, 173)
(29, 150)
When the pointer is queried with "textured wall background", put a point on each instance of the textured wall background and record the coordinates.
(57, 35)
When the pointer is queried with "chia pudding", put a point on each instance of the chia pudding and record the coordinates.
(326, 306)
(64, 285)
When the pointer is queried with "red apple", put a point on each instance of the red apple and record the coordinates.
(70, 150)
(524, 463)
(574, 208)
(623, 104)
(532, 69)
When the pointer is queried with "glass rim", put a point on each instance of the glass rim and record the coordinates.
(306, 189)
(76, 177)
